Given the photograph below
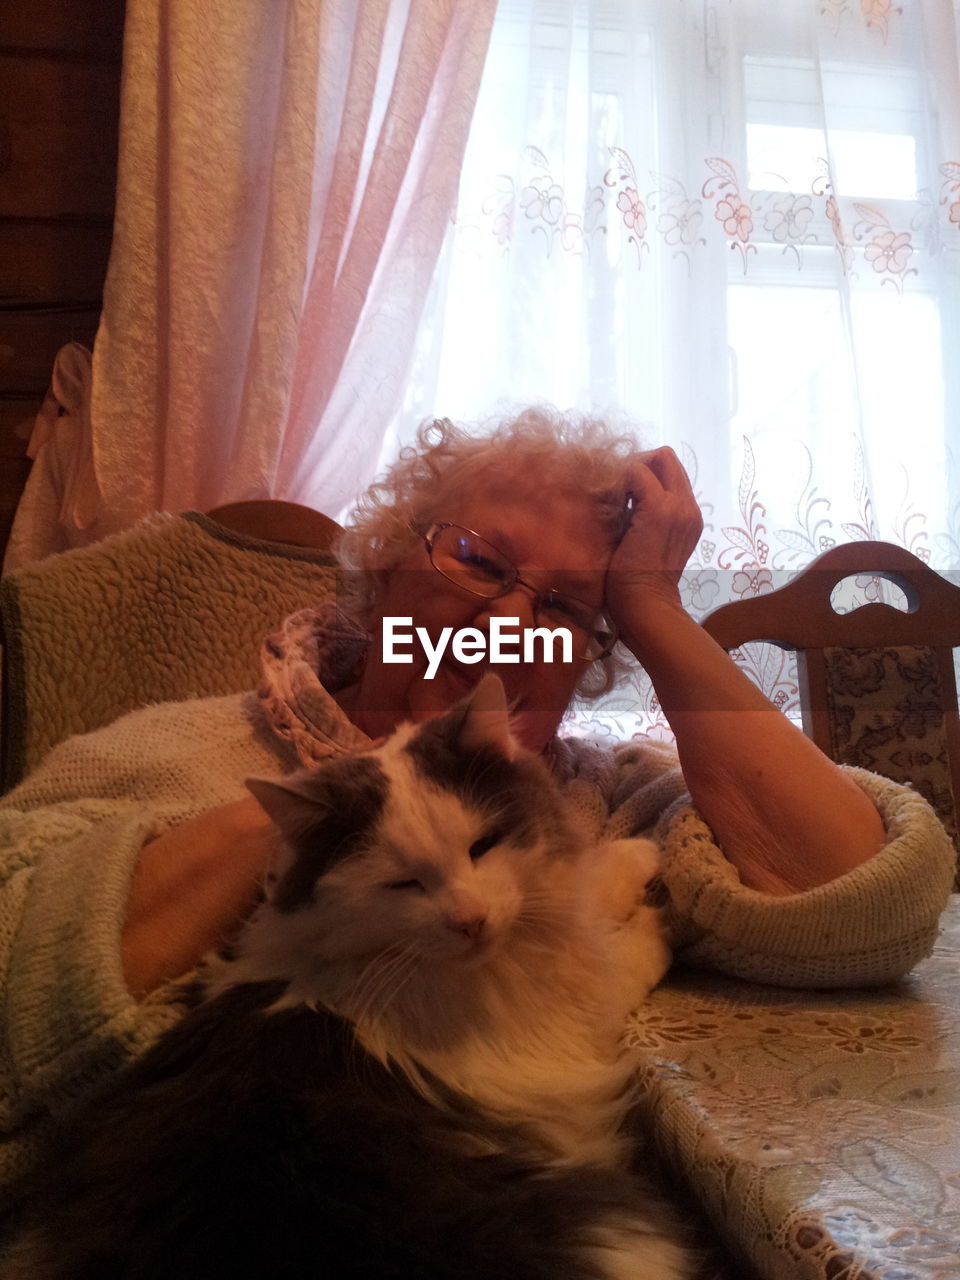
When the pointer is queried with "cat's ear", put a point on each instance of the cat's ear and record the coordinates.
(292, 805)
(486, 719)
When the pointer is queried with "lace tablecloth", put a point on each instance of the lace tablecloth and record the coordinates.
(821, 1131)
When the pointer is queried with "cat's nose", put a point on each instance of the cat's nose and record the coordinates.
(470, 925)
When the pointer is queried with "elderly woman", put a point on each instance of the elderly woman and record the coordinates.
(134, 849)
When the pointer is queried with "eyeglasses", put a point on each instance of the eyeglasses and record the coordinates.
(474, 564)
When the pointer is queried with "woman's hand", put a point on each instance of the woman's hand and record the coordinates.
(783, 813)
(192, 887)
(665, 526)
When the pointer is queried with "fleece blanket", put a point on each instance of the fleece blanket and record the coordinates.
(173, 608)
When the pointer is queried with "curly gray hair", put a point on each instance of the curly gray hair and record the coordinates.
(567, 453)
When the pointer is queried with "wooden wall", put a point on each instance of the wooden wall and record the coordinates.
(59, 107)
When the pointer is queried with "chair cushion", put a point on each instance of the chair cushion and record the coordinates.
(173, 608)
(886, 715)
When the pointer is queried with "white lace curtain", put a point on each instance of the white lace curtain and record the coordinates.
(740, 223)
(287, 171)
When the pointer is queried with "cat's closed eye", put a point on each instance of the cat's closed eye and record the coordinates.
(405, 884)
(484, 845)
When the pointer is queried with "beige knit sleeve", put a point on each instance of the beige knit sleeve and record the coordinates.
(867, 927)
(70, 836)
(67, 1017)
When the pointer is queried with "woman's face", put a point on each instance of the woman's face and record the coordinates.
(554, 541)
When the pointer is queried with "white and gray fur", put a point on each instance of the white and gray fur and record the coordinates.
(410, 1064)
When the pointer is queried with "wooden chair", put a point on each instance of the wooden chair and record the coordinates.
(277, 521)
(175, 607)
(877, 685)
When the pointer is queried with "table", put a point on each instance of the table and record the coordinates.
(819, 1130)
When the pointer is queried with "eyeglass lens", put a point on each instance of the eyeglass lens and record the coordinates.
(477, 566)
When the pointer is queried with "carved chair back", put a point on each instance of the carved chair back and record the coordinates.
(877, 684)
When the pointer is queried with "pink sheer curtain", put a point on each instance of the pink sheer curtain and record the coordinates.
(287, 173)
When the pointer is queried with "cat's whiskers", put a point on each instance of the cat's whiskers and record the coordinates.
(547, 907)
(371, 977)
(399, 976)
(542, 918)
(540, 930)
(357, 995)
(381, 980)
(380, 985)
(543, 912)
(562, 908)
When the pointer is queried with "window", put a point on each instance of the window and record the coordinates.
(740, 224)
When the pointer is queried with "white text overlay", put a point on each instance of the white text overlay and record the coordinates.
(504, 641)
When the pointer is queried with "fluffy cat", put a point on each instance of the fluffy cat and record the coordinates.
(409, 1067)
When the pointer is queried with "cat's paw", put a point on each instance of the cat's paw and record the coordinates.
(625, 869)
(633, 930)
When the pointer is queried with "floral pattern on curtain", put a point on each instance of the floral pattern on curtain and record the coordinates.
(739, 223)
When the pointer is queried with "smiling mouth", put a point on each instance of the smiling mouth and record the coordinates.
(466, 676)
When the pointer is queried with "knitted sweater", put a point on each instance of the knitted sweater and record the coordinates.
(71, 833)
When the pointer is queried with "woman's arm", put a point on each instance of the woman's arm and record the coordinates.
(192, 886)
(783, 813)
